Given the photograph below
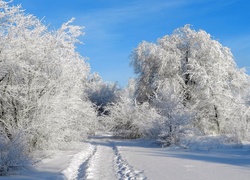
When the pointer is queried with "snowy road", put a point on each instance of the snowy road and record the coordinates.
(106, 163)
(106, 158)
(142, 159)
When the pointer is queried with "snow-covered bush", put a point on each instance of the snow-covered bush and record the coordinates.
(133, 120)
(209, 142)
(13, 154)
(129, 119)
(175, 116)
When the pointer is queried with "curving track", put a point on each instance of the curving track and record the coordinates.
(103, 161)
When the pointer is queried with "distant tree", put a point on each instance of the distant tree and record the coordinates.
(101, 93)
(202, 72)
(130, 119)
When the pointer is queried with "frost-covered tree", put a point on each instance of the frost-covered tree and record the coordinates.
(130, 119)
(101, 93)
(175, 117)
(200, 70)
(42, 80)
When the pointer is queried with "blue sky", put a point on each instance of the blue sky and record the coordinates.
(113, 28)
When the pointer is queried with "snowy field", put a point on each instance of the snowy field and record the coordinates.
(106, 158)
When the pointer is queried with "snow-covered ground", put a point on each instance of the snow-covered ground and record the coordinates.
(106, 158)
(175, 163)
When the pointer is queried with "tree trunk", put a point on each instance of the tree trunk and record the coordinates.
(216, 119)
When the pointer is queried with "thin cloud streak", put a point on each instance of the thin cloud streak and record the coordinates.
(134, 10)
(100, 25)
(114, 27)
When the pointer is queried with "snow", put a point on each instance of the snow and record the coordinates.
(57, 164)
(77, 164)
(101, 164)
(104, 157)
(175, 163)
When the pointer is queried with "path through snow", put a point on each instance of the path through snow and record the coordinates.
(107, 158)
(108, 164)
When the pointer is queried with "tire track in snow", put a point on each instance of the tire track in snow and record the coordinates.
(101, 165)
(124, 170)
(101, 160)
(78, 164)
(82, 171)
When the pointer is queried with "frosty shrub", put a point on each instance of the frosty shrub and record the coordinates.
(134, 121)
(13, 154)
(128, 119)
(199, 142)
(175, 116)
